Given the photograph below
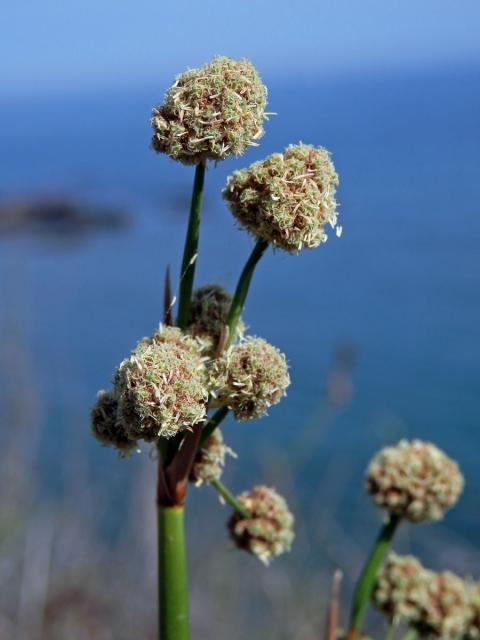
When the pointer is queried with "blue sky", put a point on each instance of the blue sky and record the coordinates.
(61, 45)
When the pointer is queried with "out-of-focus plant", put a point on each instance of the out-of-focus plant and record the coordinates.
(416, 482)
(178, 385)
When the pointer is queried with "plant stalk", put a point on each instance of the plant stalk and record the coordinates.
(191, 249)
(212, 424)
(172, 575)
(241, 291)
(366, 581)
(230, 498)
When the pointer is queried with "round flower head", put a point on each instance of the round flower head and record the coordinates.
(208, 316)
(269, 530)
(286, 199)
(473, 628)
(444, 613)
(162, 386)
(106, 427)
(250, 377)
(210, 112)
(414, 480)
(401, 587)
(210, 460)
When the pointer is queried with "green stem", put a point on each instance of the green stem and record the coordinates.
(411, 634)
(212, 424)
(172, 575)
(241, 291)
(230, 498)
(367, 579)
(388, 635)
(191, 248)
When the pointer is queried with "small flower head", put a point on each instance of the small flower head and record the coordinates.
(208, 316)
(445, 611)
(211, 112)
(162, 386)
(106, 426)
(210, 460)
(250, 377)
(286, 199)
(269, 530)
(400, 588)
(414, 480)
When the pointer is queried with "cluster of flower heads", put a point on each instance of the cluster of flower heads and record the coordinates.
(210, 460)
(268, 532)
(167, 383)
(211, 112)
(286, 199)
(414, 480)
(434, 604)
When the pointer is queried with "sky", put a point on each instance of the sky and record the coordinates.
(61, 45)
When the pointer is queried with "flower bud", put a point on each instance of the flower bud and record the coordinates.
(250, 377)
(269, 530)
(106, 427)
(286, 199)
(414, 480)
(211, 112)
(208, 317)
(162, 386)
(210, 460)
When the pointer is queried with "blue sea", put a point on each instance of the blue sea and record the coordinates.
(401, 286)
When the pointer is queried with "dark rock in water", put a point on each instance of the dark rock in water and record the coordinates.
(58, 216)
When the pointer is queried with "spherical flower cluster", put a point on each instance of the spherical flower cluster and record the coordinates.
(210, 460)
(414, 480)
(473, 628)
(399, 590)
(162, 386)
(106, 426)
(445, 611)
(286, 199)
(208, 316)
(250, 377)
(210, 112)
(433, 603)
(269, 530)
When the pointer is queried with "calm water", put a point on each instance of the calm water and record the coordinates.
(402, 284)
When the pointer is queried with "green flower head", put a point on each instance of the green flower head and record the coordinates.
(210, 460)
(106, 426)
(162, 386)
(249, 378)
(208, 317)
(287, 199)
(211, 112)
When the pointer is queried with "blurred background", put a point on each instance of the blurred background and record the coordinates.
(380, 327)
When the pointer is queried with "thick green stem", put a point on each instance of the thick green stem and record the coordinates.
(172, 575)
(230, 498)
(191, 249)
(212, 424)
(241, 291)
(367, 579)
